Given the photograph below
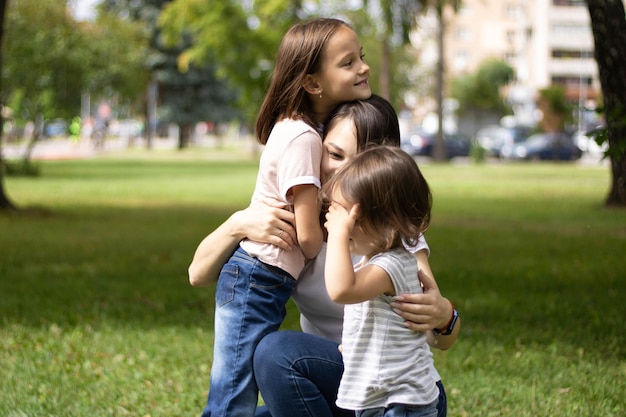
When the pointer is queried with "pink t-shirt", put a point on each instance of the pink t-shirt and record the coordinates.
(292, 156)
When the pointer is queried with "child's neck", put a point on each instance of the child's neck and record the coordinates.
(322, 109)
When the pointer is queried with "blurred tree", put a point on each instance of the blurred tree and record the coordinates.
(50, 59)
(555, 108)
(115, 59)
(239, 38)
(608, 23)
(399, 18)
(188, 92)
(190, 95)
(480, 91)
(5, 202)
(43, 72)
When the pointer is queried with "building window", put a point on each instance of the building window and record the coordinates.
(569, 29)
(510, 36)
(464, 10)
(463, 34)
(572, 54)
(461, 61)
(571, 82)
(510, 58)
(512, 10)
(569, 3)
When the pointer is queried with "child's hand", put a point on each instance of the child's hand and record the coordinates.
(339, 219)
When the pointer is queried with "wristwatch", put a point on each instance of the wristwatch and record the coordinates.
(445, 331)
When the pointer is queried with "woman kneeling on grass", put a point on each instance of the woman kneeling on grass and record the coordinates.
(298, 373)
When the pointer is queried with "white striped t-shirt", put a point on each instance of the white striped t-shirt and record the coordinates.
(385, 363)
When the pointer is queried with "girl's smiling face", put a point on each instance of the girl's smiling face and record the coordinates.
(340, 145)
(343, 75)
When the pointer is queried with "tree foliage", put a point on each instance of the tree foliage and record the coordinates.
(117, 50)
(189, 90)
(43, 55)
(394, 22)
(482, 90)
(51, 59)
(239, 40)
(555, 108)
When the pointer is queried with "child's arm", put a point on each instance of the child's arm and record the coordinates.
(261, 222)
(342, 283)
(307, 211)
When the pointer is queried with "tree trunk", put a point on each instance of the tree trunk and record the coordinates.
(5, 202)
(184, 135)
(439, 147)
(608, 24)
(385, 70)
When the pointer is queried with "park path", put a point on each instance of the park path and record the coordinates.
(66, 148)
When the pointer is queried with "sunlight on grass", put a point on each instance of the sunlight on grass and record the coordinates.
(98, 317)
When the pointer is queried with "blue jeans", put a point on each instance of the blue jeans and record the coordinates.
(400, 410)
(298, 374)
(250, 303)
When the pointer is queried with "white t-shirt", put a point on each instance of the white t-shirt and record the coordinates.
(291, 157)
(397, 359)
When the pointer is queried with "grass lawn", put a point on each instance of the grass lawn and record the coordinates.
(97, 317)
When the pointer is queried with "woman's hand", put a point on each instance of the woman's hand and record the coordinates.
(426, 311)
(268, 221)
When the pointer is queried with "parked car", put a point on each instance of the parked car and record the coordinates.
(493, 137)
(544, 146)
(587, 143)
(420, 142)
(55, 128)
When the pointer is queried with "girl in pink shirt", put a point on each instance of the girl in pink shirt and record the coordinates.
(319, 65)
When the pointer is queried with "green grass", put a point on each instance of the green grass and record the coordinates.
(97, 317)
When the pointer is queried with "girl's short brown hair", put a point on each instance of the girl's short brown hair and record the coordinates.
(393, 196)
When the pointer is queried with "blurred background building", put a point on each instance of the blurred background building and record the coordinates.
(547, 42)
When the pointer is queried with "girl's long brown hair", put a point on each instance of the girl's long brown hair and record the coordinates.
(299, 54)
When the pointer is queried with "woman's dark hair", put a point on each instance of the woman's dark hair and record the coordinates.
(375, 121)
(299, 54)
(393, 196)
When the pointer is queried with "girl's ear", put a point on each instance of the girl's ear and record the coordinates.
(311, 85)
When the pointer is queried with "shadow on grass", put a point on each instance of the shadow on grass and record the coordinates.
(513, 285)
(118, 264)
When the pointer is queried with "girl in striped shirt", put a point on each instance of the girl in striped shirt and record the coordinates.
(378, 203)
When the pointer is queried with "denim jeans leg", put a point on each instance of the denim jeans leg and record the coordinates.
(298, 374)
(250, 303)
(400, 410)
(442, 404)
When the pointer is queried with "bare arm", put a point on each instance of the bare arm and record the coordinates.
(261, 222)
(343, 284)
(427, 311)
(307, 217)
